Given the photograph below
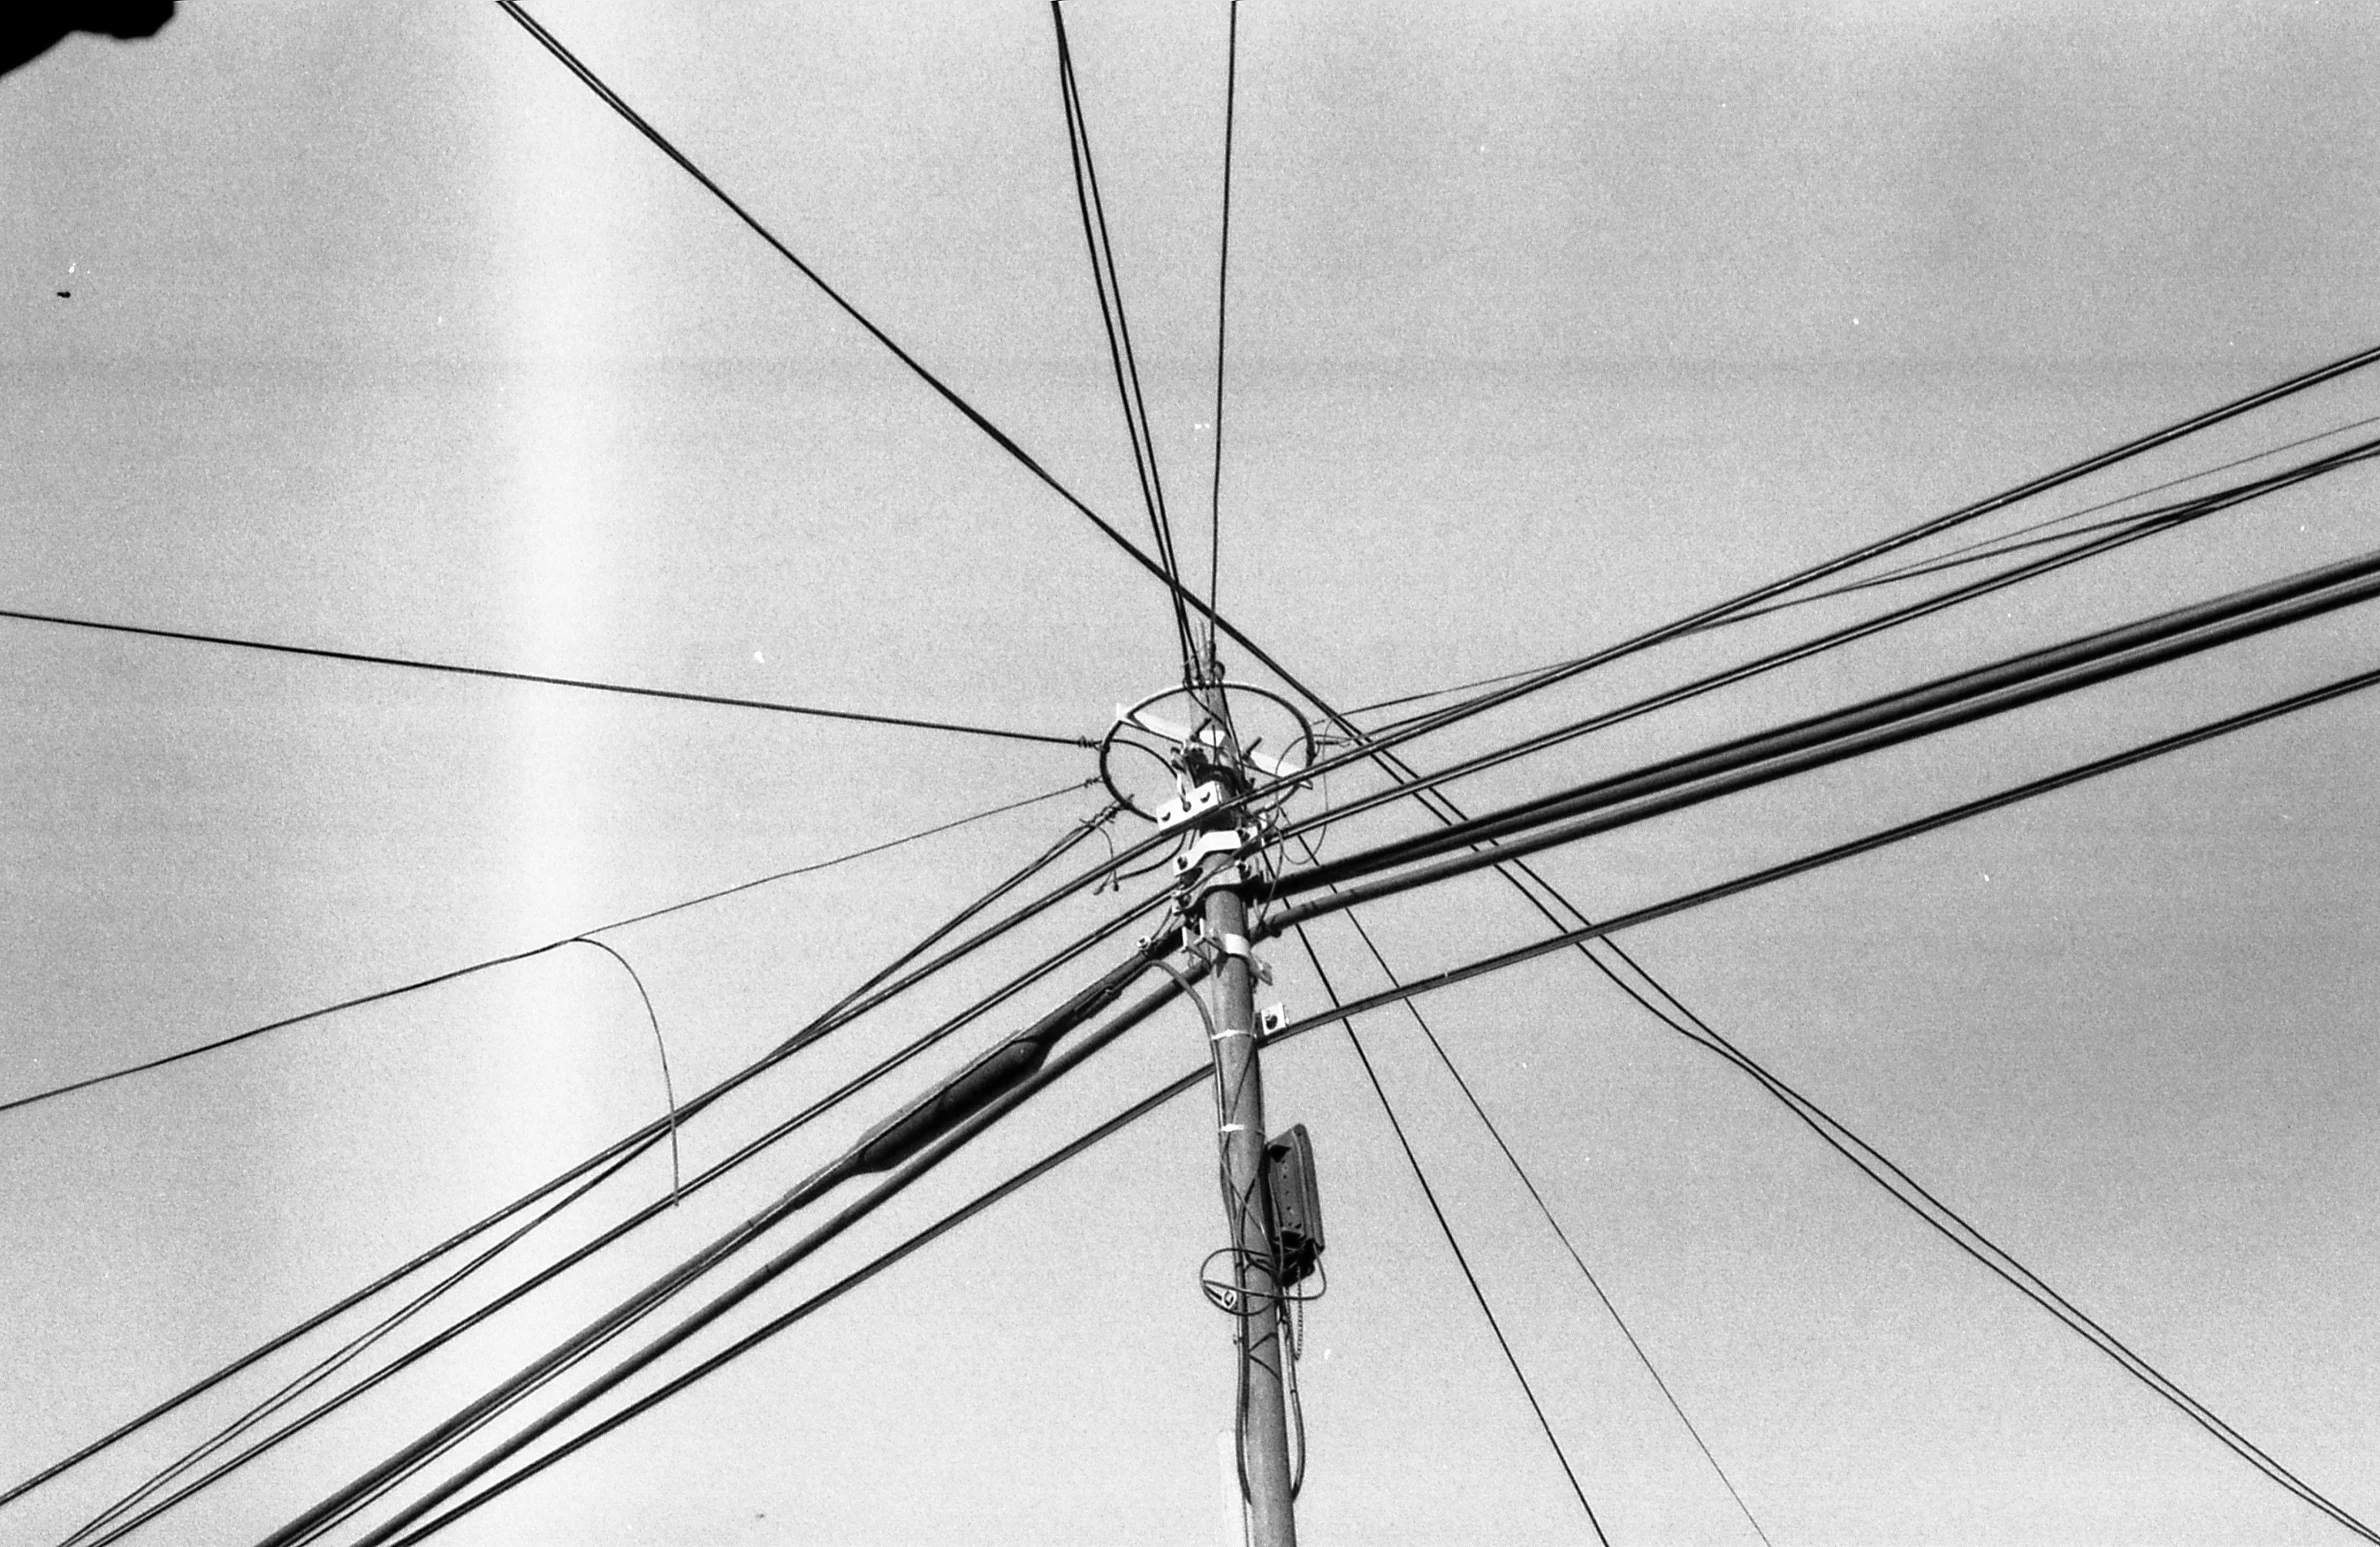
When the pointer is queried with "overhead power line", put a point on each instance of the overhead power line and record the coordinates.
(1691, 778)
(620, 1153)
(583, 684)
(1979, 1246)
(882, 1150)
(1196, 1076)
(1406, 782)
(613, 1159)
(2028, 535)
(510, 957)
(1982, 548)
(1454, 1244)
(1110, 285)
(1705, 617)
(802, 1312)
(1231, 83)
(2075, 470)
(1544, 1210)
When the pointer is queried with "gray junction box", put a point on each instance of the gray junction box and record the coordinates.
(1297, 1203)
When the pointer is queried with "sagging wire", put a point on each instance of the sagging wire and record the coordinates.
(619, 1156)
(669, 1087)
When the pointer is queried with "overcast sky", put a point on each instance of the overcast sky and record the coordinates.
(1548, 323)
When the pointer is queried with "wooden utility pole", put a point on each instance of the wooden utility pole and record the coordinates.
(1222, 906)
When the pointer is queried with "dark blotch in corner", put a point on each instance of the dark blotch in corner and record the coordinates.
(30, 28)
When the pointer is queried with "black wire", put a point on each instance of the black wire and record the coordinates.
(1200, 1074)
(1546, 1210)
(1430, 1194)
(1901, 572)
(942, 389)
(2019, 541)
(1231, 77)
(811, 1306)
(511, 957)
(669, 1087)
(2004, 542)
(1108, 283)
(2072, 471)
(1707, 616)
(387, 1474)
(621, 1152)
(974, 416)
(626, 1314)
(2014, 1272)
(1690, 778)
(451, 669)
(2147, 524)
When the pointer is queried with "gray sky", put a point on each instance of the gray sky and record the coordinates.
(1548, 323)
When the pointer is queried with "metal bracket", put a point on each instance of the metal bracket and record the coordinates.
(1271, 1019)
(1197, 803)
(1194, 853)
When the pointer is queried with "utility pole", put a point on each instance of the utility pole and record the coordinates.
(1212, 756)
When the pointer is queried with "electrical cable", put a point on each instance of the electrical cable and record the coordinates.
(1546, 1210)
(615, 1232)
(809, 1307)
(1691, 778)
(1338, 1013)
(2130, 530)
(1109, 283)
(511, 957)
(1995, 1258)
(942, 389)
(2008, 542)
(308, 1524)
(1699, 619)
(2072, 471)
(584, 684)
(626, 1149)
(1980, 553)
(1430, 1194)
(1912, 569)
(668, 1086)
(1231, 80)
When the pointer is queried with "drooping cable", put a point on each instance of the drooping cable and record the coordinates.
(628, 1313)
(1445, 1228)
(622, 1151)
(900, 1176)
(584, 684)
(1545, 1210)
(2015, 543)
(1231, 80)
(512, 957)
(669, 1088)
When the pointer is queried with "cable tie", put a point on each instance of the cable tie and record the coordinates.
(1233, 1128)
(1230, 1032)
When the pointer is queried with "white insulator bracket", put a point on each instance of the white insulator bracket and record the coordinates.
(1271, 1019)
